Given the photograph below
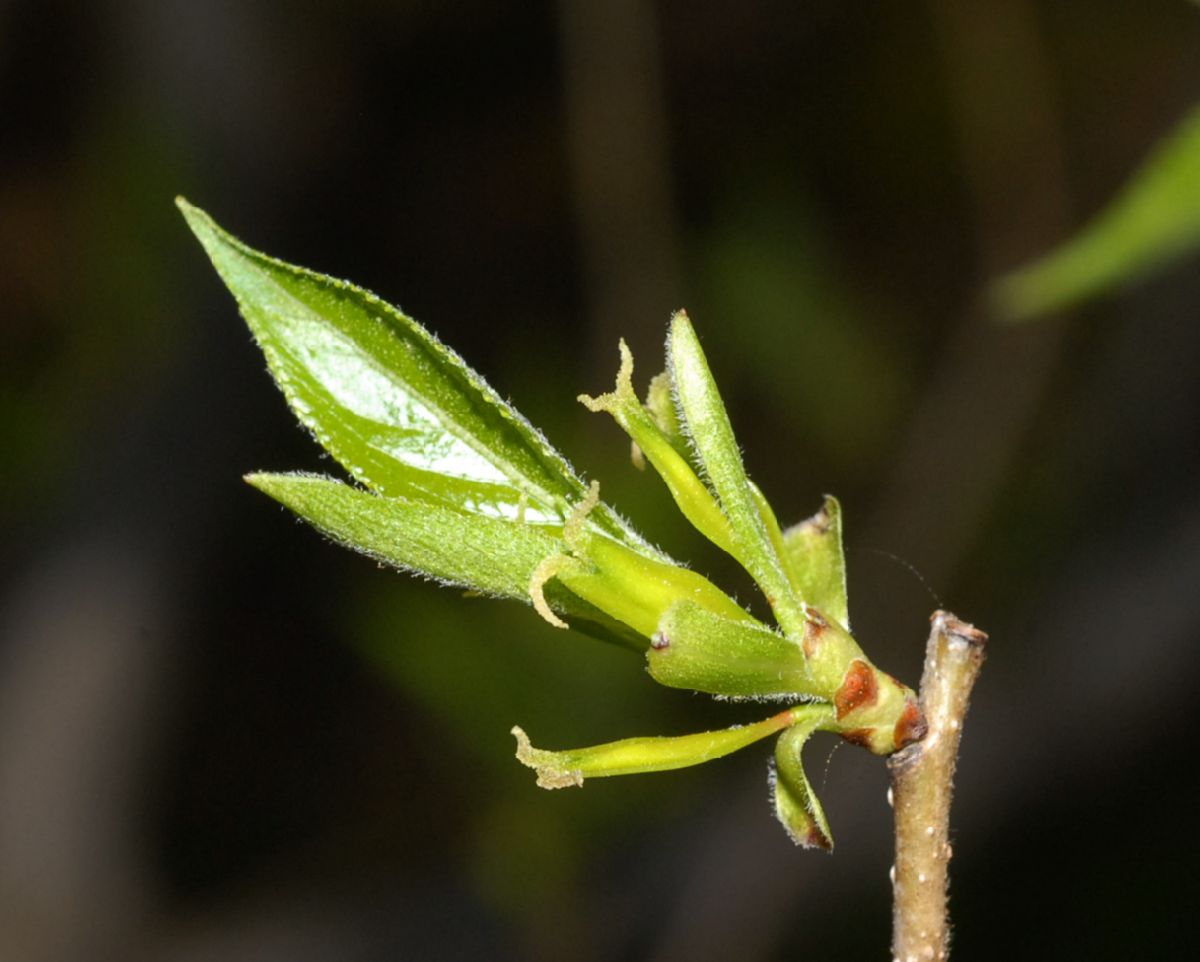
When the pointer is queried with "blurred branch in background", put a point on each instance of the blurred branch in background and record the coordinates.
(83, 693)
(987, 384)
(617, 134)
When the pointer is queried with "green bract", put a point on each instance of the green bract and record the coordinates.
(704, 651)
(796, 806)
(459, 487)
(812, 553)
(702, 416)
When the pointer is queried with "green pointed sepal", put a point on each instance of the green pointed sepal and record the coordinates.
(631, 756)
(816, 561)
(699, 650)
(703, 419)
(796, 806)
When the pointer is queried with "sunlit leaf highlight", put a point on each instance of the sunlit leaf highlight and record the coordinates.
(397, 408)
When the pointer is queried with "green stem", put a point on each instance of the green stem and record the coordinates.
(922, 781)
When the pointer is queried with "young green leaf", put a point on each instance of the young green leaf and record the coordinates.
(816, 563)
(397, 408)
(636, 755)
(704, 420)
(1154, 220)
(796, 807)
(474, 551)
(702, 651)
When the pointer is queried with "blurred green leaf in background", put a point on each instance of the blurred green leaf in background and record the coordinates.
(1153, 221)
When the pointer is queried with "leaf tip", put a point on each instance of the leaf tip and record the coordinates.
(205, 229)
(680, 322)
(258, 479)
(683, 349)
(284, 488)
(197, 219)
(814, 839)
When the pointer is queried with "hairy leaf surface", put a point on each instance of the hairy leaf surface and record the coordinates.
(705, 421)
(397, 408)
(474, 551)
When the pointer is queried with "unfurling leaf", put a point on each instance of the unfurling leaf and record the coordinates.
(816, 563)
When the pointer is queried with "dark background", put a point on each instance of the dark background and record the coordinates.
(223, 739)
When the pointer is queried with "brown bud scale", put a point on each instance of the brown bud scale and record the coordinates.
(859, 688)
(911, 727)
